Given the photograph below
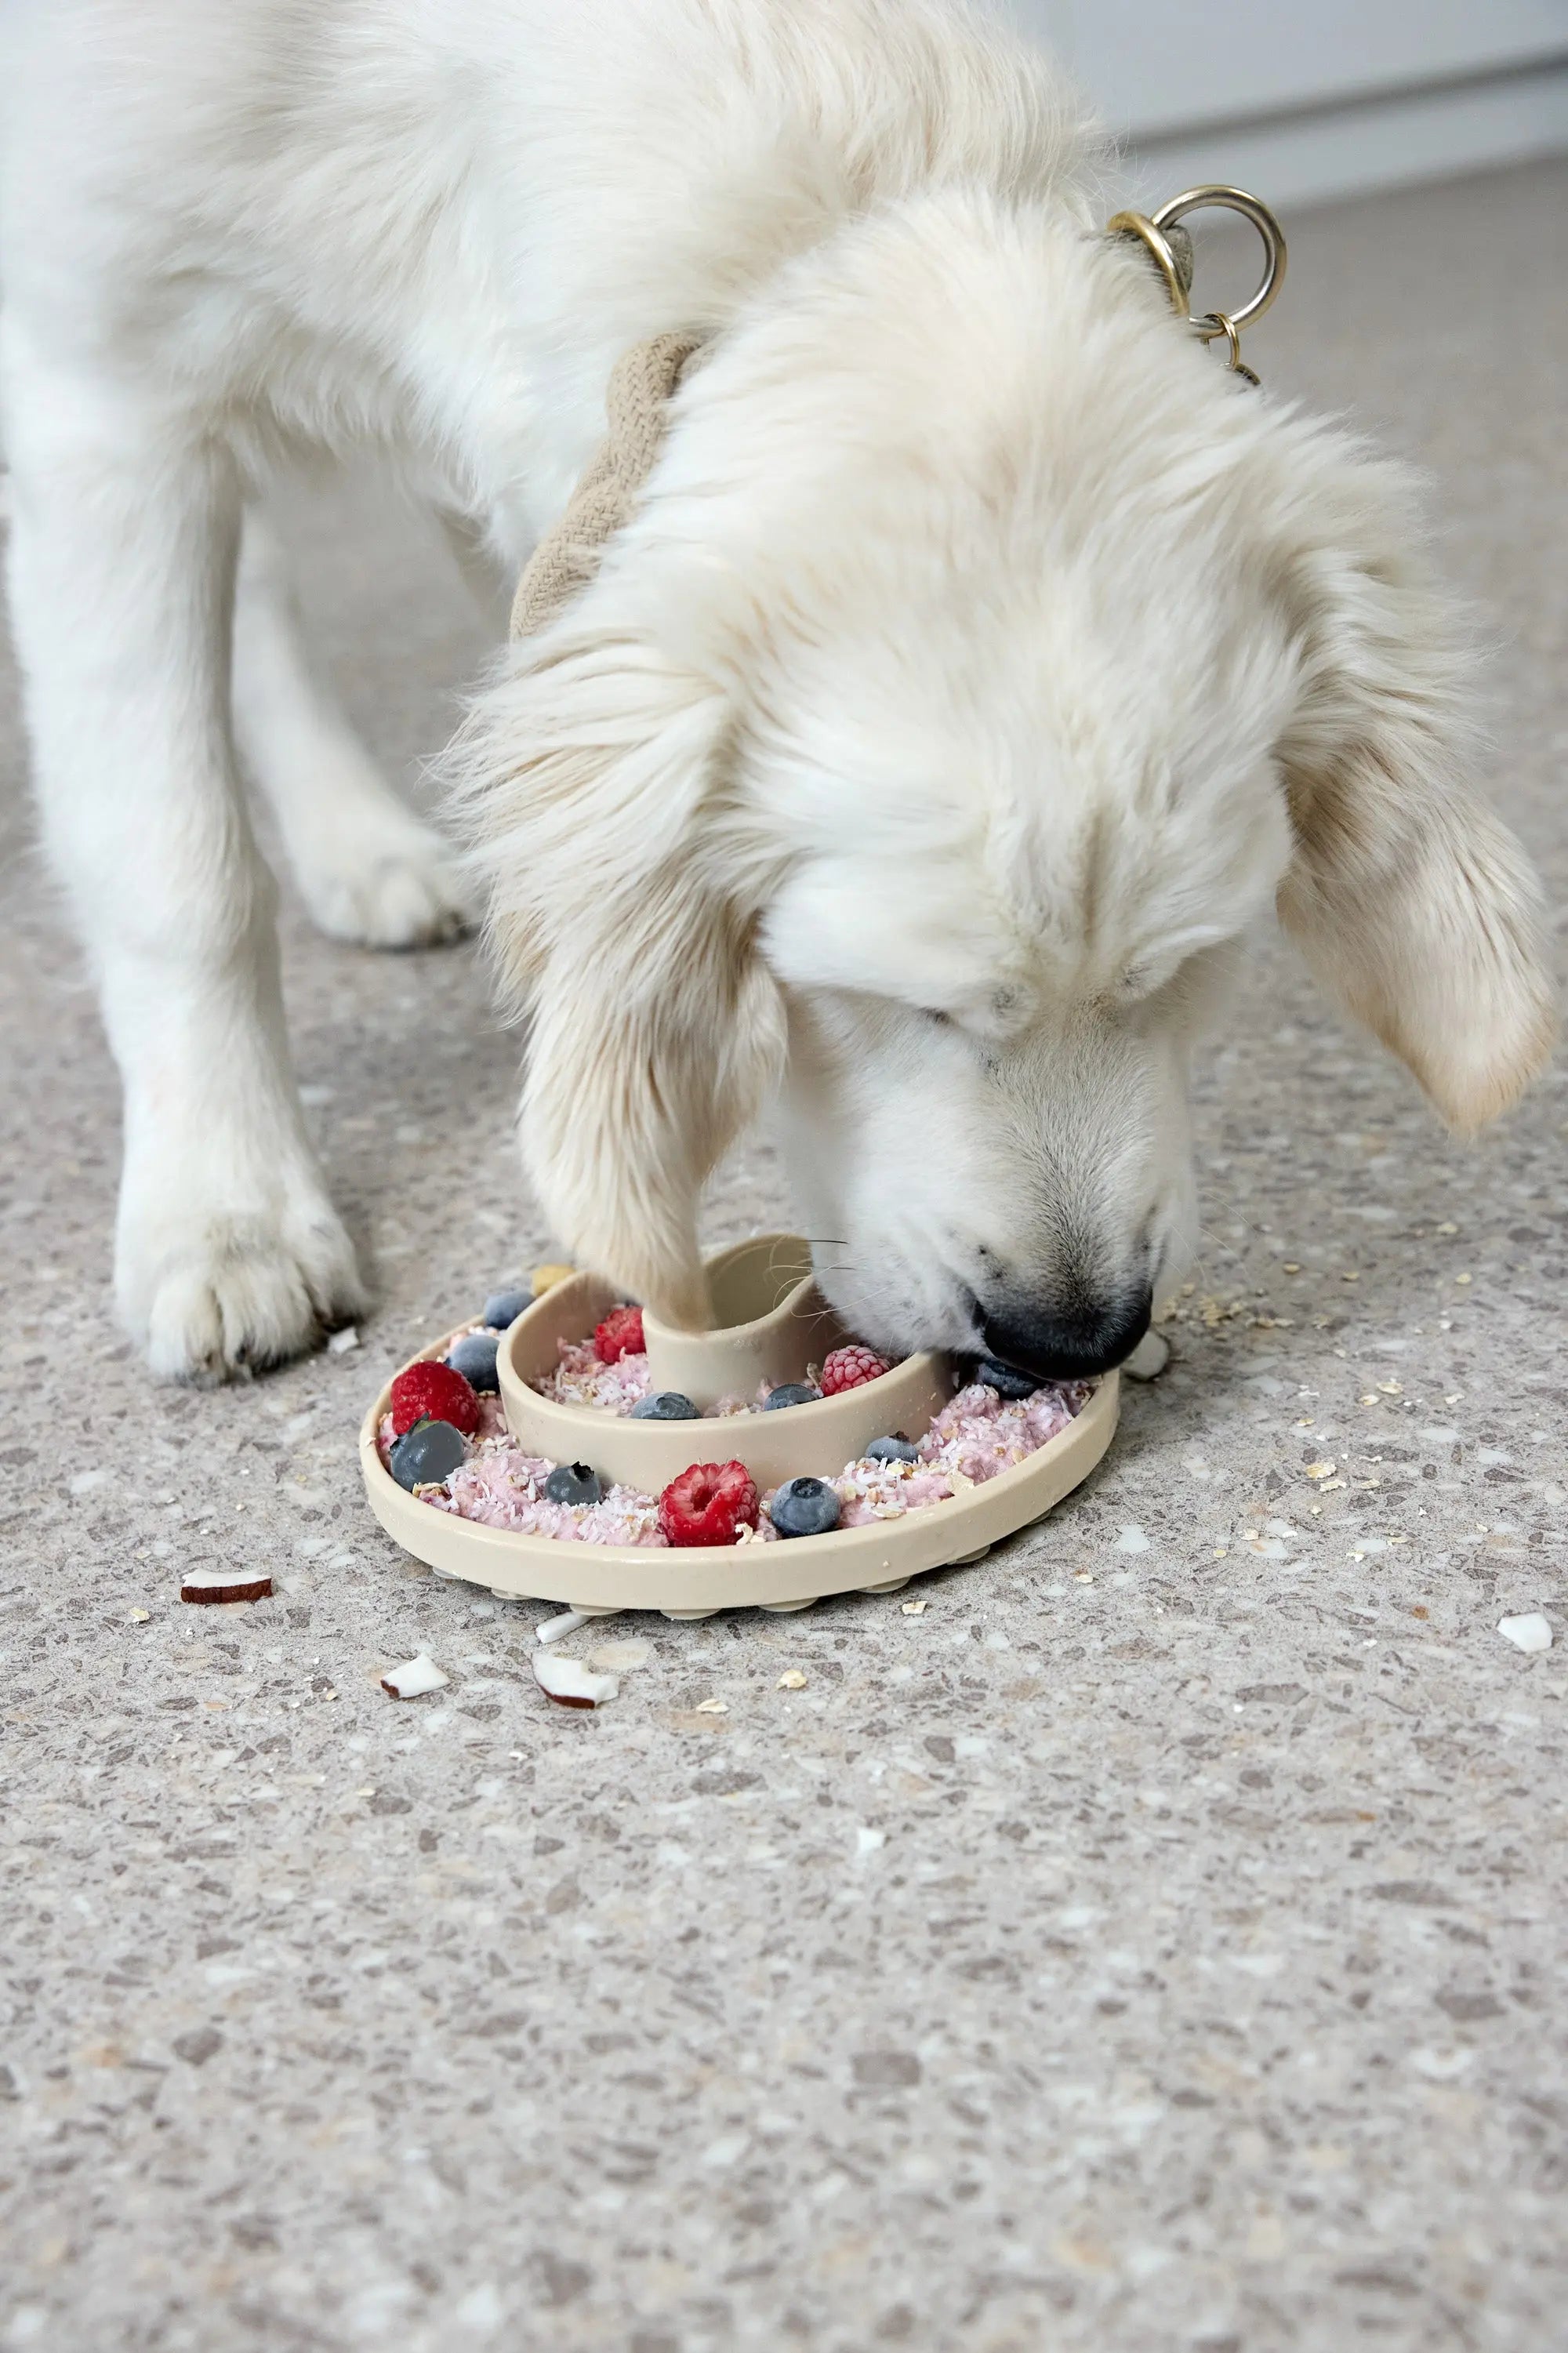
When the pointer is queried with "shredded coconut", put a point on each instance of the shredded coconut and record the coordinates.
(501, 1487)
(972, 1439)
(580, 1379)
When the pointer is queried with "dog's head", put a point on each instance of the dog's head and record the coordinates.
(980, 664)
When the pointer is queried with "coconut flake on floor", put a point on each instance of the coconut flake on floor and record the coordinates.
(414, 1678)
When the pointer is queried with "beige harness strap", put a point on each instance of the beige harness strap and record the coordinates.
(567, 557)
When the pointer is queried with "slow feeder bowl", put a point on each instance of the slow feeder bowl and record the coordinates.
(778, 1324)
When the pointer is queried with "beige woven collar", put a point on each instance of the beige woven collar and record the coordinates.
(567, 557)
(642, 380)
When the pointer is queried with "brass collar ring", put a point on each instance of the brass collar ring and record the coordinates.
(1171, 249)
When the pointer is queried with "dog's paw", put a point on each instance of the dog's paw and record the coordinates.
(1148, 1358)
(218, 1295)
(387, 881)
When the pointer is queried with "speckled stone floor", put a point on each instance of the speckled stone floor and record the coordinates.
(1158, 1943)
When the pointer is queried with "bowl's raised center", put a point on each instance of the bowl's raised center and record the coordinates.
(777, 1325)
(770, 1323)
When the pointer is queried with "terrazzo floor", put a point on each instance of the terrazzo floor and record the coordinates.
(1156, 1943)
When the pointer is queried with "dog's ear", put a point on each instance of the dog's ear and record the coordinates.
(1412, 901)
(592, 777)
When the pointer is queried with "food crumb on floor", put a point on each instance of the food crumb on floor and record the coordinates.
(412, 1679)
(1530, 1632)
(570, 1683)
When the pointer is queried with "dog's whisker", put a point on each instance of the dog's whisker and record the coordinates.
(1222, 1248)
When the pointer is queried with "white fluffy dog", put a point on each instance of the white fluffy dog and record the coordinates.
(980, 662)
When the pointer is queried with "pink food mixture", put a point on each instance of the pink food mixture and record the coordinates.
(580, 1379)
(972, 1439)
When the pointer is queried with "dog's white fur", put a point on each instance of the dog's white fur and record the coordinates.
(980, 663)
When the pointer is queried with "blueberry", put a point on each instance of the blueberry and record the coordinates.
(427, 1454)
(790, 1393)
(892, 1449)
(804, 1507)
(665, 1404)
(474, 1355)
(1005, 1379)
(574, 1483)
(504, 1307)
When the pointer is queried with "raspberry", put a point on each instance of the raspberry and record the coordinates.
(620, 1335)
(850, 1368)
(435, 1391)
(707, 1504)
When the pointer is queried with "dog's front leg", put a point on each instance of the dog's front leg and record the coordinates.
(230, 1251)
(368, 869)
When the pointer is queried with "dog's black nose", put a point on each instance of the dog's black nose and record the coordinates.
(1070, 1342)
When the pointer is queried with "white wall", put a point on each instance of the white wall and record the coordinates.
(1317, 98)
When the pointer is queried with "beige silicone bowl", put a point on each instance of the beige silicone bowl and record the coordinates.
(765, 1284)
